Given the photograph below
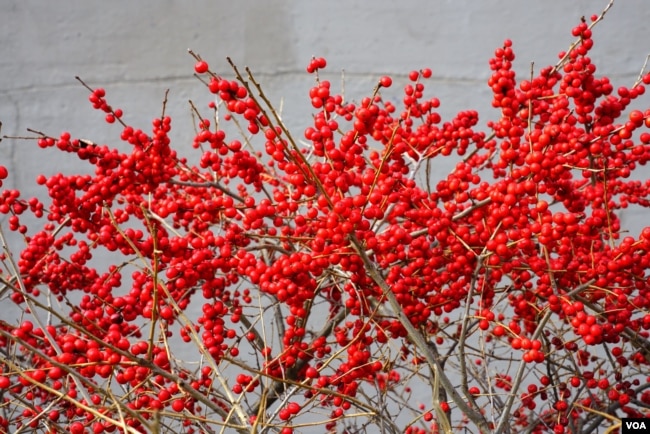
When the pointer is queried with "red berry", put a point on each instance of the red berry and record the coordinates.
(167, 313)
(646, 78)
(385, 81)
(293, 407)
(201, 67)
(284, 414)
(178, 405)
(645, 138)
(636, 117)
(603, 383)
(645, 233)
(76, 428)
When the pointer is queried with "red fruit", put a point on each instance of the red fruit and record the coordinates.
(26, 326)
(529, 356)
(311, 372)
(624, 399)
(636, 117)
(201, 67)
(76, 428)
(293, 407)
(645, 138)
(178, 405)
(385, 81)
(499, 330)
(167, 313)
(213, 85)
(3, 172)
(284, 414)
(603, 383)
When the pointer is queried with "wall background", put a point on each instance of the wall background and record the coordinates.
(137, 50)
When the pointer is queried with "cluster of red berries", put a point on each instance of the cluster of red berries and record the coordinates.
(519, 251)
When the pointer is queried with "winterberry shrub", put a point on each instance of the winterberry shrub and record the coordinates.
(324, 281)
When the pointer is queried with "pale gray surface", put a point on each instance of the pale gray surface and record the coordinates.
(137, 50)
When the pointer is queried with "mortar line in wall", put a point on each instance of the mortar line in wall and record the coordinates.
(180, 79)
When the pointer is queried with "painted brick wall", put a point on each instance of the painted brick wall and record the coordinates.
(137, 50)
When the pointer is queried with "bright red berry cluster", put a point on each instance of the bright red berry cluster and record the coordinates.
(331, 272)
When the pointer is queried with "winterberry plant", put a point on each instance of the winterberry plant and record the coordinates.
(324, 281)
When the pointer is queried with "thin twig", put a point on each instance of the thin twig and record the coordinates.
(418, 340)
(505, 416)
(573, 46)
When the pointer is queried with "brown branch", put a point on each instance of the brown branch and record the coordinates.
(505, 416)
(418, 340)
(272, 392)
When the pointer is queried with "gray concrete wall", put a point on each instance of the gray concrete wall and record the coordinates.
(137, 50)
